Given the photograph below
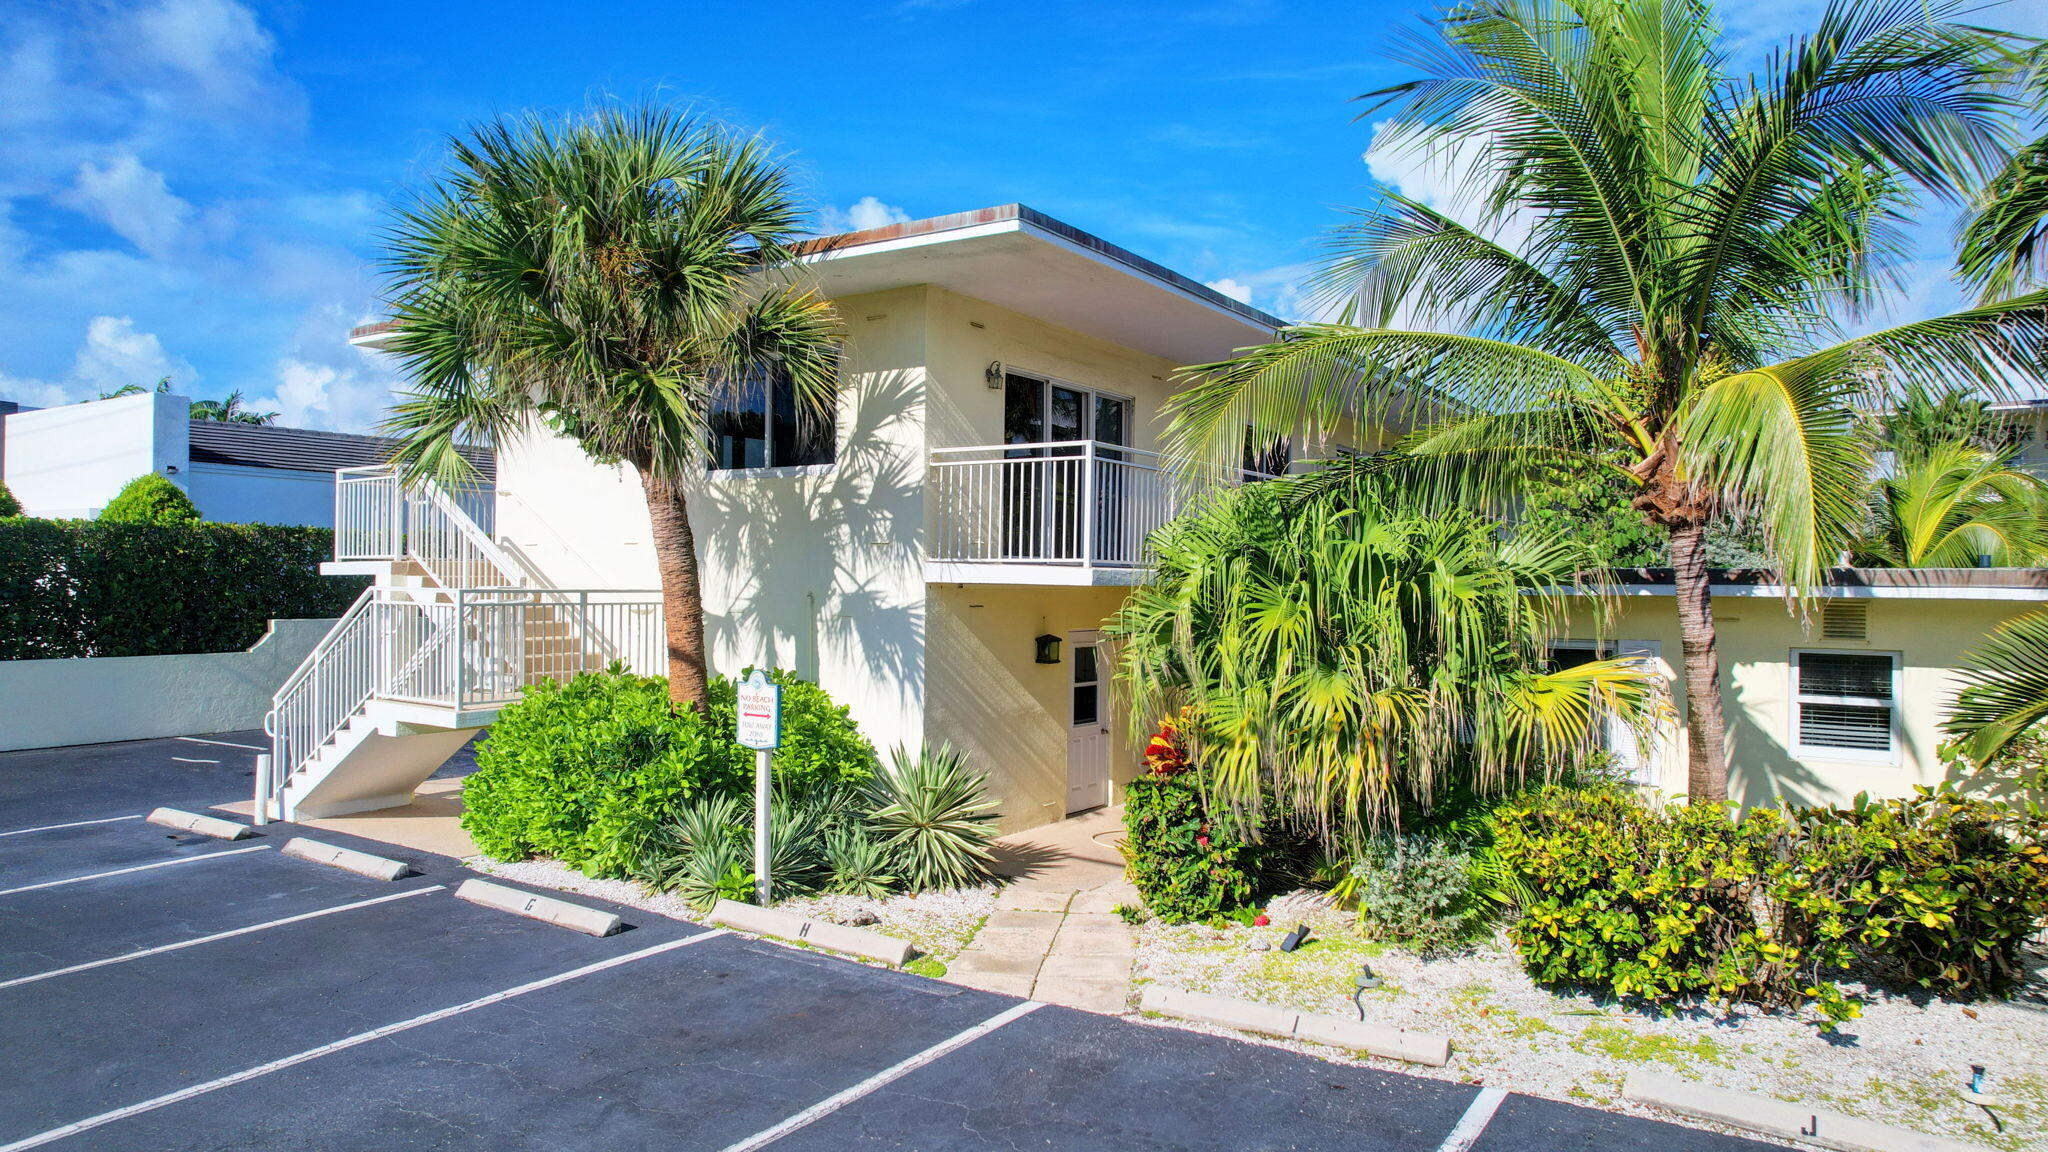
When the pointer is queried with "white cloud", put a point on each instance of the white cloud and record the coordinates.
(132, 199)
(1242, 293)
(114, 353)
(208, 55)
(866, 212)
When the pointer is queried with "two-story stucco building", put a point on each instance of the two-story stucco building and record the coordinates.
(941, 561)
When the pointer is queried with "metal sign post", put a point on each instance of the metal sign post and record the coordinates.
(759, 724)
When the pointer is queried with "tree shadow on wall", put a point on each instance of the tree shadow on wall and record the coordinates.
(827, 560)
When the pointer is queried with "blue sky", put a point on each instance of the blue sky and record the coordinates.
(194, 188)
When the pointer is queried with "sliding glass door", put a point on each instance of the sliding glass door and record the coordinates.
(1044, 478)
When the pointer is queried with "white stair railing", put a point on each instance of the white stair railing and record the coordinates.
(378, 517)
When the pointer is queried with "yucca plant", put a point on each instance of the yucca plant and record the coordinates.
(933, 815)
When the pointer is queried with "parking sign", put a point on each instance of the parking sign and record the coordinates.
(760, 712)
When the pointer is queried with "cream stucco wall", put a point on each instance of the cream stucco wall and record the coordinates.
(1757, 636)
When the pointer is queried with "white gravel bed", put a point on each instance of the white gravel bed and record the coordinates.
(938, 924)
(1902, 1062)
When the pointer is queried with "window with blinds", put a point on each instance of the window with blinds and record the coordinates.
(1845, 703)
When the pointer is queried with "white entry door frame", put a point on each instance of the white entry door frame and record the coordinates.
(1087, 724)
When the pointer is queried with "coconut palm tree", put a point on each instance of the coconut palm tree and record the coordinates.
(1676, 257)
(230, 410)
(2005, 694)
(1348, 650)
(1957, 505)
(2005, 238)
(613, 278)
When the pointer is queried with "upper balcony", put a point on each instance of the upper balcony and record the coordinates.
(1077, 512)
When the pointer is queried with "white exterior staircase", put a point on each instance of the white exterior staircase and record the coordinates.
(451, 630)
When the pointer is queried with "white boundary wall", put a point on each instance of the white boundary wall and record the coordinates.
(50, 703)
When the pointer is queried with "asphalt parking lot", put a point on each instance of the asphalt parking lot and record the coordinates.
(168, 991)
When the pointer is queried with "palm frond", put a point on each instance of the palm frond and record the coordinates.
(2005, 692)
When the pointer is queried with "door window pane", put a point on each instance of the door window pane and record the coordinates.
(1085, 709)
(1084, 665)
(1023, 410)
(1068, 412)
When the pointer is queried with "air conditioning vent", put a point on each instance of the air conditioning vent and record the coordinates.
(1845, 620)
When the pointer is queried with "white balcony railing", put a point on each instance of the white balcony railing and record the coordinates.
(1077, 502)
(447, 531)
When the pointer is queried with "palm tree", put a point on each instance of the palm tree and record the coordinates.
(2005, 239)
(1348, 650)
(613, 278)
(1957, 505)
(1679, 252)
(2006, 693)
(229, 410)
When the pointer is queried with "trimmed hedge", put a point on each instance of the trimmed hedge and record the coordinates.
(150, 499)
(72, 588)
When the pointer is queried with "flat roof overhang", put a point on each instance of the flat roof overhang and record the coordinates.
(2020, 584)
(1021, 259)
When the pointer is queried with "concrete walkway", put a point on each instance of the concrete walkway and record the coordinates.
(1055, 935)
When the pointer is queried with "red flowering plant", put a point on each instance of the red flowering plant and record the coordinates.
(1165, 755)
(1187, 863)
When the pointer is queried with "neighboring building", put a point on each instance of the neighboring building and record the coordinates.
(69, 461)
(942, 561)
(1847, 696)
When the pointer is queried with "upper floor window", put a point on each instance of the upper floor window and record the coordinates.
(761, 425)
(1846, 704)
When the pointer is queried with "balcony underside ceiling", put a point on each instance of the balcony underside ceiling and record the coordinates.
(1041, 575)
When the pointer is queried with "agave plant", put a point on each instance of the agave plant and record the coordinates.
(931, 812)
(858, 864)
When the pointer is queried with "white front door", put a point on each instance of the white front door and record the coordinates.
(1088, 728)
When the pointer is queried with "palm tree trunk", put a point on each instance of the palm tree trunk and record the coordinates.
(682, 593)
(1706, 726)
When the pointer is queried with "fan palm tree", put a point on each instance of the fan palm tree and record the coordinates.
(1677, 255)
(614, 277)
(1957, 505)
(1346, 649)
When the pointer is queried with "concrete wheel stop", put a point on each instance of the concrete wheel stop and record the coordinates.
(1335, 1031)
(816, 933)
(347, 859)
(575, 917)
(1786, 1121)
(212, 826)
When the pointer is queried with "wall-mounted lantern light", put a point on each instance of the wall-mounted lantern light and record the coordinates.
(1048, 649)
(993, 373)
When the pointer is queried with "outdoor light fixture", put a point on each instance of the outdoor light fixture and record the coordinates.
(994, 373)
(1048, 649)
(1362, 983)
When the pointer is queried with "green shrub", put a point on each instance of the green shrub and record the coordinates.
(1662, 903)
(150, 499)
(1185, 864)
(9, 506)
(588, 770)
(933, 816)
(71, 588)
(1416, 890)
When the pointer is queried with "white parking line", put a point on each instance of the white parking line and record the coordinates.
(124, 957)
(834, 1103)
(73, 824)
(222, 743)
(1474, 1121)
(360, 1038)
(137, 868)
